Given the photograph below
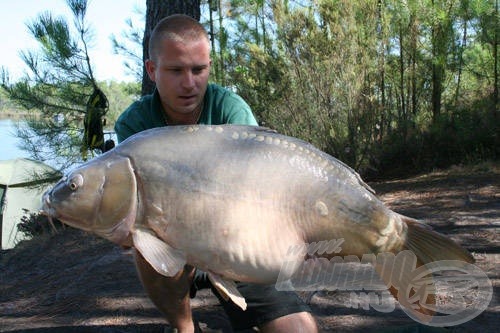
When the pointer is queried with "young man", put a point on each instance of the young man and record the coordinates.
(179, 64)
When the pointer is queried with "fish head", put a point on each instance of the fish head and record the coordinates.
(99, 197)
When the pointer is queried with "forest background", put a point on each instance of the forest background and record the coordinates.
(389, 87)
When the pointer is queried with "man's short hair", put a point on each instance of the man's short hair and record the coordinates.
(178, 27)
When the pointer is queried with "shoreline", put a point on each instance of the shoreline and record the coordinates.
(24, 116)
(18, 114)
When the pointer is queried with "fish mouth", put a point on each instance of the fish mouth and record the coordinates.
(52, 214)
(47, 208)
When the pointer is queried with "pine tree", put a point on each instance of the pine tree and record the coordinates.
(60, 86)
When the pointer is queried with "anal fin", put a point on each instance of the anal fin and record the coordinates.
(228, 290)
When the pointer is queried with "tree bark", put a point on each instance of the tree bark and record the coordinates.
(495, 66)
(402, 109)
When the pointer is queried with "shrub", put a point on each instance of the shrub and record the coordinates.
(33, 224)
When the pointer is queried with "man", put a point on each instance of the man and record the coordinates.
(179, 64)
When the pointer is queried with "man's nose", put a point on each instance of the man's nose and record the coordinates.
(188, 79)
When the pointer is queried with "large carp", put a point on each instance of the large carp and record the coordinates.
(232, 201)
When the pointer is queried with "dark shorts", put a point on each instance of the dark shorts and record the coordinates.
(264, 302)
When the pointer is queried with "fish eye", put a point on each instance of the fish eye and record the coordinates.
(75, 182)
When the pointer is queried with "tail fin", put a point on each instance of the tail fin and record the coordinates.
(430, 246)
(416, 294)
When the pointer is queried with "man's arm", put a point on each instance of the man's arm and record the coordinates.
(169, 294)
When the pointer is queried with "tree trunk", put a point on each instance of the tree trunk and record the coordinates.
(212, 7)
(381, 68)
(495, 65)
(402, 109)
(437, 82)
(461, 59)
(414, 34)
(155, 11)
(222, 47)
(442, 34)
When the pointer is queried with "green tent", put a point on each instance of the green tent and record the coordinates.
(22, 183)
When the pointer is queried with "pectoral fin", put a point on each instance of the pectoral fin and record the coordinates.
(228, 290)
(165, 259)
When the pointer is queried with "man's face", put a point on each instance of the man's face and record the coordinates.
(181, 72)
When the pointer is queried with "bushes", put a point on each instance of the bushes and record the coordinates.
(459, 137)
(33, 224)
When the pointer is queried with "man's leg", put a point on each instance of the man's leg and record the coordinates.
(271, 311)
(169, 294)
(299, 322)
(268, 309)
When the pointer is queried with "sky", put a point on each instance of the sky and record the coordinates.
(105, 17)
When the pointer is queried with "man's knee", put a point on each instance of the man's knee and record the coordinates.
(300, 322)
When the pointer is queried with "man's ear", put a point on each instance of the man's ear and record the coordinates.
(150, 68)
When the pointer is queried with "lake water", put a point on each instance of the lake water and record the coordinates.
(9, 142)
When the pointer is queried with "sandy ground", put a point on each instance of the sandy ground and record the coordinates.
(75, 282)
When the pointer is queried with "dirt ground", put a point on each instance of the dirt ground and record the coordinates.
(75, 282)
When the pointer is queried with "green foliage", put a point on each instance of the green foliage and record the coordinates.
(308, 83)
(58, 87)
(382, 85)
(129, 45)
(463, 137)
(120, 96)
(7, 107)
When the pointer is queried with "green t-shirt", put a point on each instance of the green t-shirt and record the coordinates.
(220, 106)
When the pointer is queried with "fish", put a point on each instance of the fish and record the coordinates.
(232, 200)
